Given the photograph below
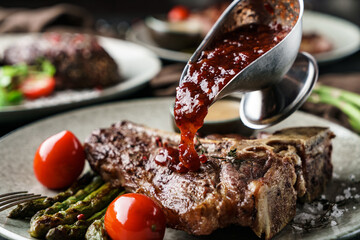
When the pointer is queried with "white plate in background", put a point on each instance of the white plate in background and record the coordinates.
(136, 63)
(344, 35)
(140, 34)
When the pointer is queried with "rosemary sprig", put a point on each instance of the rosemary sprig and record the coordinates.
(199, 147)
(231, 157)
(232, 153)
(321, 221)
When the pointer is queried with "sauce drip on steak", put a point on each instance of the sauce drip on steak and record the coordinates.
(214, 69)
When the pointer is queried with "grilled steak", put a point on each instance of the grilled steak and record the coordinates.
(79, 60)
(254, 182)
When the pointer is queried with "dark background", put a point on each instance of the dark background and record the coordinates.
(131, 9)
(119, 15)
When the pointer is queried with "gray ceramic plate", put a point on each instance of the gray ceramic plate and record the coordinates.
(17, 150)
(136, 64)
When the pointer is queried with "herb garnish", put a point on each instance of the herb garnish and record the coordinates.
(199, 147)
(11, 77)
(231, 157)
(321, 221)
(232, 153)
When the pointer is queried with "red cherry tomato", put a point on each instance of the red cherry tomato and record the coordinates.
(178, 13)
(59, 160)
(134, 217)
(37, 86)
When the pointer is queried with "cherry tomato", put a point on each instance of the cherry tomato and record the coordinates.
(59, 160)
(134, 217)
(178, 13)
(37, 86)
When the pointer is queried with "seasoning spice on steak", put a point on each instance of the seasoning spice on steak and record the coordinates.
(250, 182)
(79, 60)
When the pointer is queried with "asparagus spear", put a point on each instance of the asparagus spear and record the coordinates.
(96, 231)
(28, 209)
(76, 230)
(347, 96)
(73, 231)
(93, 203)
(80, 195)
(352, 112)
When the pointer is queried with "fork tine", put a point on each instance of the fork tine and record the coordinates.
(14, 197)
(2, 203)
(11, 193)
(13, 202)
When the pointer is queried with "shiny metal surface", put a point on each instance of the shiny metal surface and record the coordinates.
(266, 107)
(270, 67)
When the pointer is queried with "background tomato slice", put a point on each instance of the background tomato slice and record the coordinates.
(37, 86)
(59, 160)
(135, 217)
(178, 13)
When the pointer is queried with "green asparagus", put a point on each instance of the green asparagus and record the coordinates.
(76, 230)
(350, 97)
(96, 231)
(73, 231)
(93, 203)
(28, 209)
(348, 108)
(80, 195)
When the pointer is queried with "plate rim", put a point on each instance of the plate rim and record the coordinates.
(163, 53)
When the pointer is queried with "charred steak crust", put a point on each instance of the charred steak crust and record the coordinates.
(257, 187)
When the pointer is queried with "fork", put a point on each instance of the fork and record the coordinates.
(11, 199)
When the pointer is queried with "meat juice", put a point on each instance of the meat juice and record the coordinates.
(205, 78)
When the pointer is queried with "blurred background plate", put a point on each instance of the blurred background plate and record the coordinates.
(136, 64)
(344, 35)
(140, 34)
